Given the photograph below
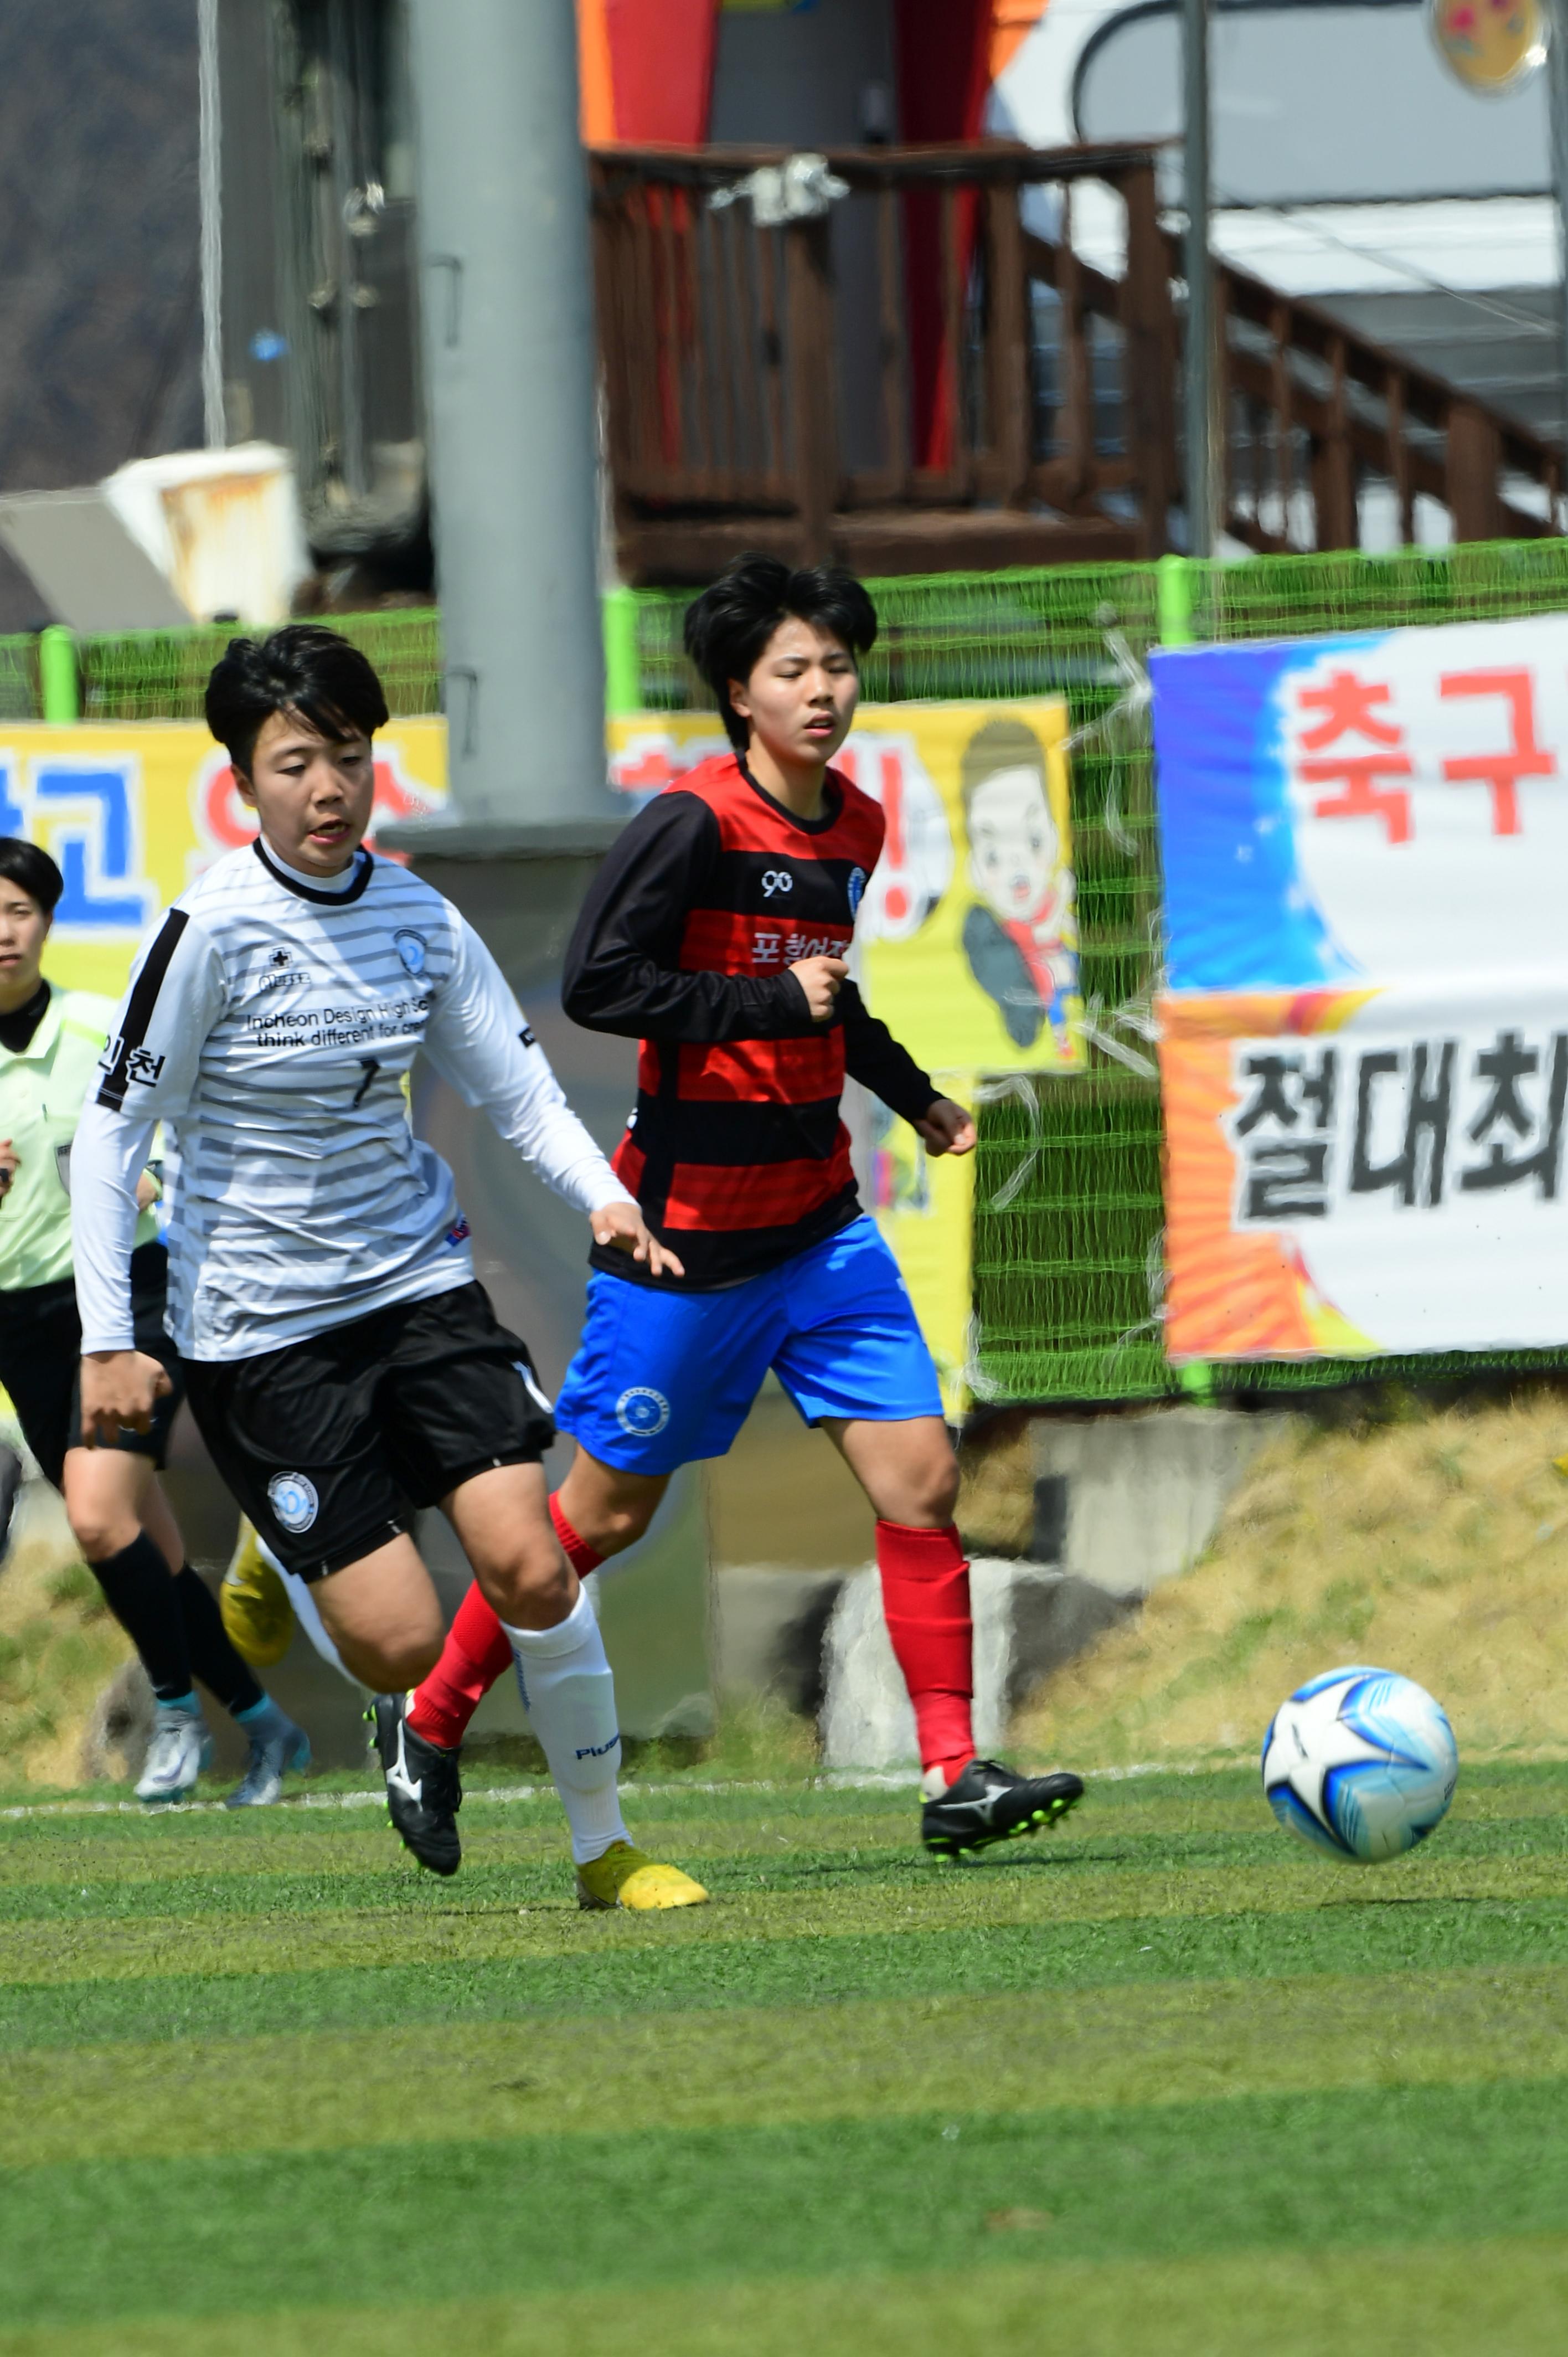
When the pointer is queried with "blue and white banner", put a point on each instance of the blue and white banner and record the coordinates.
(1390, 805)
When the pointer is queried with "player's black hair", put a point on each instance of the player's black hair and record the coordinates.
(730, 624)
(32, 871)
(302, 668)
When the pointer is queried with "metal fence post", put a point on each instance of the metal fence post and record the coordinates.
(623, 659)
(59, 681)
(1174, 579)
(1172, 601)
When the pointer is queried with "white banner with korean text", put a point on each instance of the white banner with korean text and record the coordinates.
(1361, 1171)
(1365, 1040)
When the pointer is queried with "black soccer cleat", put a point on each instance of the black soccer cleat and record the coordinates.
(424, 1790)
(989, 1803)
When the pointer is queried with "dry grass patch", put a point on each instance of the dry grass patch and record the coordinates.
(1437, 1545)
(60, 1646)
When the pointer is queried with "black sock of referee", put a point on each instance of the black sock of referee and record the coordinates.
(224, 1672)
(141, 1594)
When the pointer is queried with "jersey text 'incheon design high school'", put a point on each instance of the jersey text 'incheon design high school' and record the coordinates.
(269, 1024)
(735, 1153)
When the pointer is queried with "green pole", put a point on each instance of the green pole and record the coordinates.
(1174, 599)
(59, 683)
(623, 659)
(1175, 578)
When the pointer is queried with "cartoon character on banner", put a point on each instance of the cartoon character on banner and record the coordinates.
(1021, 936)
(225, 822)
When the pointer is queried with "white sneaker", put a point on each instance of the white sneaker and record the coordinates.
(180, 1749)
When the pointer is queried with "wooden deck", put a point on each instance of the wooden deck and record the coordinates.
(926, 376)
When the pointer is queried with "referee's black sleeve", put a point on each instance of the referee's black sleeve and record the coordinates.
(623, 965)
(873, 1058)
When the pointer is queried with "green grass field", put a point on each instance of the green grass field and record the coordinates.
(1161, 2082)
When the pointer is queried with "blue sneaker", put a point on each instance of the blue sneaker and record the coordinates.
(278, 1749)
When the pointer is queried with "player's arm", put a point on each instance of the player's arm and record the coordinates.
(478, 1038)
(147, 1073)
(875, 1058)
(623, 966)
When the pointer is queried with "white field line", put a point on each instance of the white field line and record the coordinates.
(836, 1781)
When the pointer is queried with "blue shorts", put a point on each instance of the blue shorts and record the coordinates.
(662, 1378)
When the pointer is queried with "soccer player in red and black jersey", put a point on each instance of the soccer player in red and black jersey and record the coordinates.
(717, 933)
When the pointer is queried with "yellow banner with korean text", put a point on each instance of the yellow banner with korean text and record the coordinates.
(966, 943)
(131, 814)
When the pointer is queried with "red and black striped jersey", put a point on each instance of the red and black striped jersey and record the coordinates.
(736, 1152)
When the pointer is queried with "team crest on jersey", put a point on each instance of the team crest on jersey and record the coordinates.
(411, 948)
(292, 1499)
(856, 889)
(642, 1412)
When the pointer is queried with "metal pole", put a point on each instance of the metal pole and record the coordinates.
(510, 369)
(209, 172)
(1199, 396)
(1557, 98)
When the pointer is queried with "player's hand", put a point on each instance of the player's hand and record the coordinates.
(947, 1128)
(622, 1226)
(10, 1163)
(822, 979)
(120, 1389)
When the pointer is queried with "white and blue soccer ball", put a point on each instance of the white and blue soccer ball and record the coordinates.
(1362, 1763)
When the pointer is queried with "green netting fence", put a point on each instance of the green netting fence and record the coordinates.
(1067, 1246)
(161, 674)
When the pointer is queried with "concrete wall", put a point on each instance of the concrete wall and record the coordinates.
(1144, 1491)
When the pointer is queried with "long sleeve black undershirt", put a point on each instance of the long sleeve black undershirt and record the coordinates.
(623, 963)
(875, 1058)
(623, 973)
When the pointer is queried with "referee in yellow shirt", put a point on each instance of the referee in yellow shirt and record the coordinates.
(50, 1042)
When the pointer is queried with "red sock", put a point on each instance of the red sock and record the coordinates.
(578, 1553)
(925, 1597)
(477, 1653)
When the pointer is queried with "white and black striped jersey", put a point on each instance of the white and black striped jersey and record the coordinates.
(270, 1024)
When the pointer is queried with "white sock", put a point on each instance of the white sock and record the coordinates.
(569, 1695)
(306, 1614)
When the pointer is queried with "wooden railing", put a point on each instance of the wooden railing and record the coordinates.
(1315, 414)
(927, 374)
(868, 380)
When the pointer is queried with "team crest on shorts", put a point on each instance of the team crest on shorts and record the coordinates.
(294, 1500)
(642, 1412)
(411, 948)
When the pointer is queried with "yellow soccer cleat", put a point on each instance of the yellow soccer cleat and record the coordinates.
(254, 1604)
(626, 1877)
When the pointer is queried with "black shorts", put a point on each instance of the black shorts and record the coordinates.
(40, 1362)
(332, 1445)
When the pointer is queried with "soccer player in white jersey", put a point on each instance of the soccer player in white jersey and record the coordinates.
(344, 1366)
